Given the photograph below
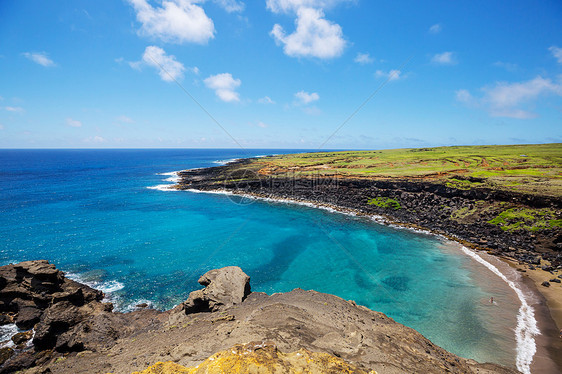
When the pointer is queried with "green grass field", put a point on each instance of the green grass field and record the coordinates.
(535, 169)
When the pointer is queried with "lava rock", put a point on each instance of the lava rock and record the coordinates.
(22, 337)
(546, 284)
(555, 280)
(223, 288)
(27, 317)
(5, 354)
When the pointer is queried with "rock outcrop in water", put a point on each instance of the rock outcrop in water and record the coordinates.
(75, 332)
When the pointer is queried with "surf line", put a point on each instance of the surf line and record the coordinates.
(526, 328)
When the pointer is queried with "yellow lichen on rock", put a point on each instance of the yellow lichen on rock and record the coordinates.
(261, 358)
(165, 368)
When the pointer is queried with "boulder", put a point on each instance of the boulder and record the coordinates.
(27, 317)
(546, 284)
(555, 280)
(22, 337)
(223, 288)
(5, 354)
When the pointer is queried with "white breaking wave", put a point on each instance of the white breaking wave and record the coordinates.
(225, 162)
(173, 176)
(163, 187)
(106, 287)
(6, 333)
(526, 323)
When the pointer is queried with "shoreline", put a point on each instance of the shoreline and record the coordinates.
(546, 346)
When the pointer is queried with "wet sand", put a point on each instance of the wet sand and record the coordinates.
(548, 312)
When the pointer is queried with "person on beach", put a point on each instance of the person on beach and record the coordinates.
(491, 300)
(560, 333)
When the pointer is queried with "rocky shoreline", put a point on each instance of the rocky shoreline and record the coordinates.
(71, 330)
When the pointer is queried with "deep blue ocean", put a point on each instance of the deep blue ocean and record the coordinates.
(91, 213)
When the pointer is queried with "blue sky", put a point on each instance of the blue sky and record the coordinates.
(279, 73)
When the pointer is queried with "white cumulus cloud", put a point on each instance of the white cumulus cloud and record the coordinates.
(40, 58)
(167, 66)
(306, 98)
(224, 86)
(445, 58)
(314, 36)
(504, 99)
(177, 21)
(557, 53)
(363, 58)
(392, 75)
(435, 29)
(73, 123)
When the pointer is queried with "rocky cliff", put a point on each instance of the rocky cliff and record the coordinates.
(74, 331)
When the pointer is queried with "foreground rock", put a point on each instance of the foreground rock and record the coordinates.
(326, 330)
(59, 314)
(223, 288)
(262, 357)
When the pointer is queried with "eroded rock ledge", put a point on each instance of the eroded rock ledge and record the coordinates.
(76, 332)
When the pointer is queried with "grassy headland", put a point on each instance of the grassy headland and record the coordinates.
(533, 169)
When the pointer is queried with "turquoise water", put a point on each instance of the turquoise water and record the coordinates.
(91, 213)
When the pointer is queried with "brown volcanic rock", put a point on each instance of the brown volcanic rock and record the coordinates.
(67, 316)
(224, 287)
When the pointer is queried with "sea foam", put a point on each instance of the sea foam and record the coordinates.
(526, 328)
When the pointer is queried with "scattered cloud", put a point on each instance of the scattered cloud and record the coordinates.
(288, 6)
(506, 65)
(224, 86)
(557, 53)
(363, 59)
(167, 66)
(445, 58)
(125, 119)
(314, 35)
(1, 127)
(509, 99)
(177, 21)
(392, 75)
(15, 109)
(95, 139)
(306, 98)
(195, 70)
(435, 29)
(73, 123)
(231, 6)
(262, 125)
(266, 100)
(40, 58)
(464, 96)
(312, 110)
